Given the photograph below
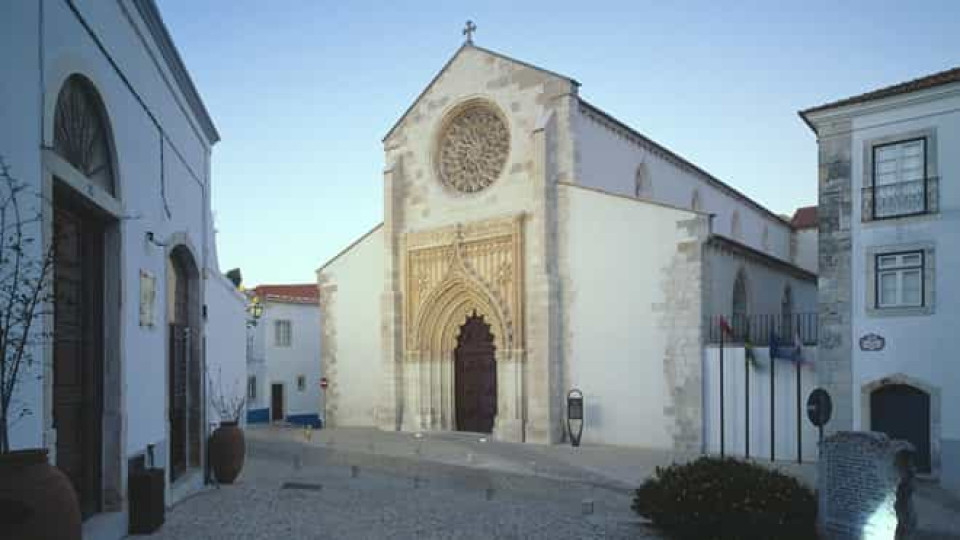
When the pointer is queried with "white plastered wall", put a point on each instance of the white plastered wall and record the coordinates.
(632, 330)
(350, 354)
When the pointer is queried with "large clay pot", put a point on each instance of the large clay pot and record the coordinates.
(37, 501)
(227, 450)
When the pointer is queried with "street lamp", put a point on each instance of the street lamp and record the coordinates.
(256, 311)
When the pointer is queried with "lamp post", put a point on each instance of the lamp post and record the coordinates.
(256, 311)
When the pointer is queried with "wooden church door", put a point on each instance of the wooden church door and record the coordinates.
(475, 377)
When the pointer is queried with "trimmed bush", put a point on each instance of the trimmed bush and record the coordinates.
(727, 498)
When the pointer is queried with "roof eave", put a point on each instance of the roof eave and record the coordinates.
(158, 30)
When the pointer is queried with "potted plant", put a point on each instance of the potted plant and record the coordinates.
(227, 444)
(36, 499)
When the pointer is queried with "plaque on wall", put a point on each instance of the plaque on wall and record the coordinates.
(872, 342)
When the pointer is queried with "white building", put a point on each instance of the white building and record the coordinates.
(533, 243)
(100, 116)
(283, 357)
(889, 244)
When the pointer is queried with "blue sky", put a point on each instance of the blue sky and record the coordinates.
(303, 91)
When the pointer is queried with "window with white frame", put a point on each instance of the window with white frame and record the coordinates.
(899, 178)
(301, 383)
(900, 279)
(283, 333)
(251, 388)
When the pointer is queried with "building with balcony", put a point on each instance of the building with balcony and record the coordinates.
(889, 239)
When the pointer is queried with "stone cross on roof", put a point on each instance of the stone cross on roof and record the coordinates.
(468, 31)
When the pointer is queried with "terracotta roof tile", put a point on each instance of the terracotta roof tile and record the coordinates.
(306, 293)
(923, 83)
(804, 218)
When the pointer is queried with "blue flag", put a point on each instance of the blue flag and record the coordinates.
(776, 351)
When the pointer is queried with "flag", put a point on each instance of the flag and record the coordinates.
(776, 351)
(725, 327)
(750, 354)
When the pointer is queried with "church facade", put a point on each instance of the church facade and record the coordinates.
(532, 244)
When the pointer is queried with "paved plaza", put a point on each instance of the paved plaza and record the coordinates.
(365, 483)
(293, 489)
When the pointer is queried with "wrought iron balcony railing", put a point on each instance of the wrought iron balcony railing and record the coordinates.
(901, 199)
(759, 328)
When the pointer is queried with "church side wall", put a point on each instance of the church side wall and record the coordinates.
(632, 318)
(609, 159)
(350, 337)
(765, 286)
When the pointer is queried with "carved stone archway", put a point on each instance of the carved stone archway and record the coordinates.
(451, 274)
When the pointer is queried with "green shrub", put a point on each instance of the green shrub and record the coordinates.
(727, 498)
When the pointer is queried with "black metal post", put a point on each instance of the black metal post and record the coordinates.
(746, 384)
(773, 407)
(722, 419)
(799, 424)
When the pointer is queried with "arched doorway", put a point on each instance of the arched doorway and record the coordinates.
(903, 412)
(184, 373)
(86, 376)
(475, 377)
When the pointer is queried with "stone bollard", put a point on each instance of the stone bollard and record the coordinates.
(866, 487)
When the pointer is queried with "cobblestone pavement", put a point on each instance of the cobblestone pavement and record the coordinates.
(293, 490)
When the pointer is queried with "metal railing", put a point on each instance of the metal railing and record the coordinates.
(900, 199)
(758, 329)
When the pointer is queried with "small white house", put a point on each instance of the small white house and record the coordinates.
(889, 249)
(283, 356)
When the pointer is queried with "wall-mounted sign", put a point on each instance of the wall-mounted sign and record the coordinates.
(148, 296)
(872, 342)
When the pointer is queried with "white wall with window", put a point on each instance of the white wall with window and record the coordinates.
(905, 249)
(286, 346)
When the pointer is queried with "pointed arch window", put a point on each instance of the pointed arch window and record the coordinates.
(765, 240)
(642, 186)
(736, 231)
(81, 132)
(695, 203)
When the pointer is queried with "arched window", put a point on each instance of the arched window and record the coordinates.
(786, 314)
(642, 186)
(740, 310)
(765, 241)
(695, 203)
(735, 229)
(81, 132)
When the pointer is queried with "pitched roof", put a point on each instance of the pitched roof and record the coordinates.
(468, 45)
(804, 218)
(923, 83)
(306, 293)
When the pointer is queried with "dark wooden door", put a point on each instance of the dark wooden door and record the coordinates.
(78, 350)
(177, 407)
(276, 401)
(903, 412)
(475, 377)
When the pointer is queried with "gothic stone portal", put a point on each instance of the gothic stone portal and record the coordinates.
(464, 351)
(475, 377)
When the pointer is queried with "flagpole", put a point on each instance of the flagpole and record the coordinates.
(722, 419)
(746, 385)
(799, 425)
(773, 406)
